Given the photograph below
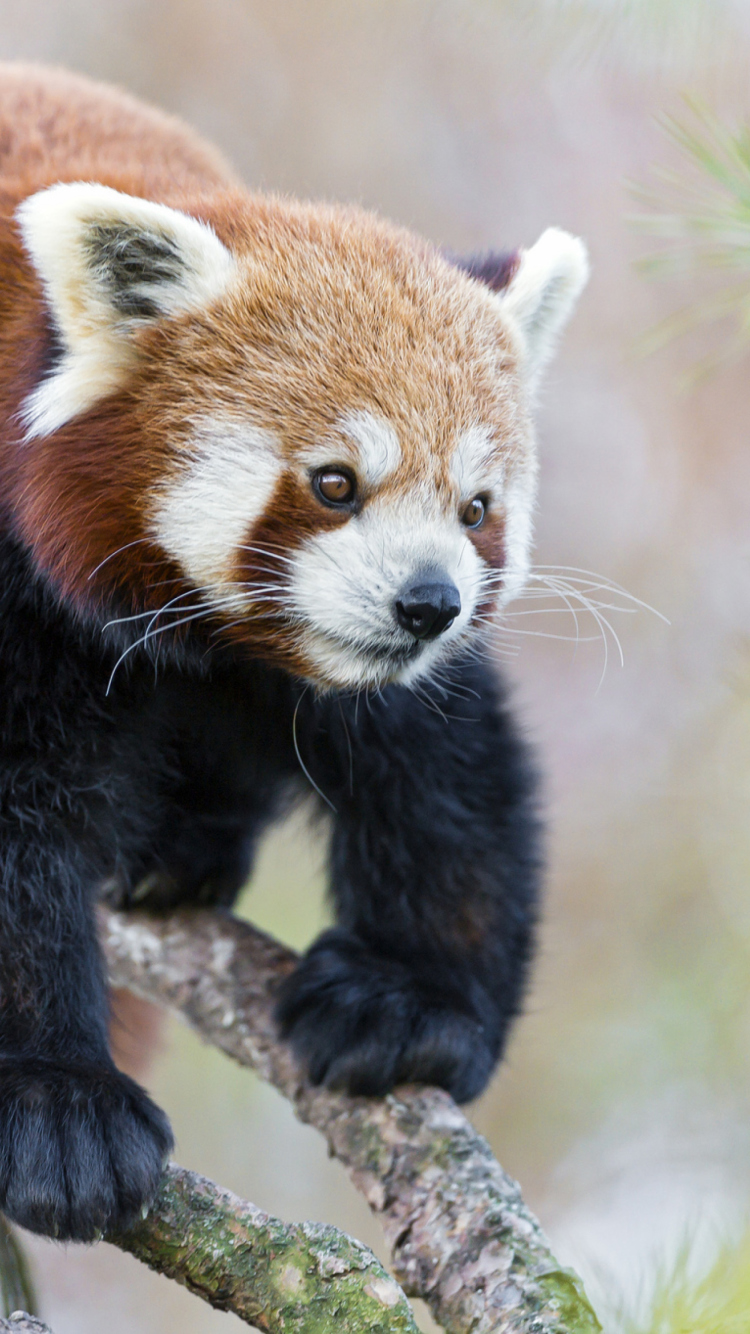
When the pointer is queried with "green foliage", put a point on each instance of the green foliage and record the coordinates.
(16, 1287)
(701, 217)
(717, 1303)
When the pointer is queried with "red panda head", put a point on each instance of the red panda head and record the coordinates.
(296, 421)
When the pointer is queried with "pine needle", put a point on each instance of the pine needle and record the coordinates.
(717, 1303)
(701, 217)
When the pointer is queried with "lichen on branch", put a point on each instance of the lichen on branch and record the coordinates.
(283, 1278)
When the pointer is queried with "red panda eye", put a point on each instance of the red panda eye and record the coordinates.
(334, 486)
(473, 515)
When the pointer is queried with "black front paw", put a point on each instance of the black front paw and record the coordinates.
(82, 1149)
(363, 1023)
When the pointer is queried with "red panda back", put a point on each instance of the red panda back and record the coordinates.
(58, 126)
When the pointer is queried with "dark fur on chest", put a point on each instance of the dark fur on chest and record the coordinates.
(158, 790)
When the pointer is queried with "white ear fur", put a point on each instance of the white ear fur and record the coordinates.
(110, 263)
(543, 293)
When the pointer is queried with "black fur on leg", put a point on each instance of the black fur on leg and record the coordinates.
(82, 1147)
(233, 756)
(435, 862)
(365, 1023)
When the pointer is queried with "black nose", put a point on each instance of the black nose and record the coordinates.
(428, 608)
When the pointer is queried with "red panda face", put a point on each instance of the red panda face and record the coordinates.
(357, 561)
(325, 424)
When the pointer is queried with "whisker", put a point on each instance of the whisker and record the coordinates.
(112, 554)
(302, 764)
(580, 592)
(603, 623)
(560, 611)
(452, 687)
(603, 583)
(228, 600)
(265, 551)
(154, 634)
(421, 694)
(351, 753)
(547, 634)
(570, 605)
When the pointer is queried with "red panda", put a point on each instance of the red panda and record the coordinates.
(257, 458)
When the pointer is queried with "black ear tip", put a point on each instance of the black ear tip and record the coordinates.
(495, 268)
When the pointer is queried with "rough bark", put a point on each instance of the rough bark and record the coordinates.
(460, 1234)
(282, 1278)
(21, 1323)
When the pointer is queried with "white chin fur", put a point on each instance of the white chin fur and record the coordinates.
(344, 585)
(341, 666)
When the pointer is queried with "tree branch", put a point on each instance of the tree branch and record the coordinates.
(21, 1323)
(282, 1278)
(460, 1234)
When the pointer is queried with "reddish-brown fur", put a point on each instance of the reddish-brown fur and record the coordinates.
(383, 322)
(58, 126)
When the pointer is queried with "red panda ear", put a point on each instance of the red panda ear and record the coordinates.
(109, 264)
(538, 289)
(494, 268)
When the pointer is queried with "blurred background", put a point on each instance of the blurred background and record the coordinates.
(624, 1105)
